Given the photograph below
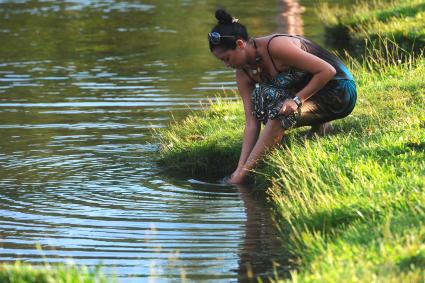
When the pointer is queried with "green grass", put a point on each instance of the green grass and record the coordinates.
(352, 204)
(206, 143)
(366, 22)
(355, 200)
(26, 273)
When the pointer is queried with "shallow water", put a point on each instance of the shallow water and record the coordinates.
(82, 85)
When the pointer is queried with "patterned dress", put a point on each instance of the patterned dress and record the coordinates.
(335, 100)
(268, 97)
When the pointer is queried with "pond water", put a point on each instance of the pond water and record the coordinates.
(82, 85)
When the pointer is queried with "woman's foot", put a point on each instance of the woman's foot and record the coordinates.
(319, 130)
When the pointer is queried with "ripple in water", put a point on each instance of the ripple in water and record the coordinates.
(93, 194)
(78, 162)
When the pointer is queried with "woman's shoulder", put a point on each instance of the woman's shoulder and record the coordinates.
(277, 41)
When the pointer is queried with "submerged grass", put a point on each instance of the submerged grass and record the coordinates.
(352, 204)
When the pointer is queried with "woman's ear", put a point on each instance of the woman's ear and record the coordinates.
(240, 43)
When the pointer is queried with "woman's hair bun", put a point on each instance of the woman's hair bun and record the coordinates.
(223, 17)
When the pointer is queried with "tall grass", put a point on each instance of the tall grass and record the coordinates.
(353, 203)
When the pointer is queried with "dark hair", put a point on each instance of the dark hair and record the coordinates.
(229, 27)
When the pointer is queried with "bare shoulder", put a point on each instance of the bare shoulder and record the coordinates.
(284, 43)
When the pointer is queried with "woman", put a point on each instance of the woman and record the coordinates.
(285, 81)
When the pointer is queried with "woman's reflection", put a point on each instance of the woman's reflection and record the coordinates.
(261, 252)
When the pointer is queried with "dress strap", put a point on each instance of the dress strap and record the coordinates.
(268, 50)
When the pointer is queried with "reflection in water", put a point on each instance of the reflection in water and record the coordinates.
(291, 21)
(91, 195)
(82, 83)
(261, 249)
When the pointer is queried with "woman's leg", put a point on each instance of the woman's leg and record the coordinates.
(320, 130)
(333, 102)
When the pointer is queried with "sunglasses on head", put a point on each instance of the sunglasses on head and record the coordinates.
(215, 37)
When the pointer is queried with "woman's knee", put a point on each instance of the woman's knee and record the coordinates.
(274, 124)
(275, 129)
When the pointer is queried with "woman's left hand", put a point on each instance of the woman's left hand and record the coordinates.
(238, 176)
(289, 106)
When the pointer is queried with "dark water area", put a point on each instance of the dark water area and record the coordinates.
(82, 85)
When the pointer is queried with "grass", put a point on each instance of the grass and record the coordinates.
(25, 273)
(206, 143)
(352, 204)
(355, 200)
(366, 22)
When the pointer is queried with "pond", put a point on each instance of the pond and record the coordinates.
(82, 85)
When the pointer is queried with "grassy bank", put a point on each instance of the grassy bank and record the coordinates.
(25, 273)
(206, 143)
(402, 21)
(355, 200)
(353, 203)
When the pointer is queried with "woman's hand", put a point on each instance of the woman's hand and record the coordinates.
(238, 176)
(289, 106)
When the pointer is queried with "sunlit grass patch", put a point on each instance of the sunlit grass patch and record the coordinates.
(25, 273)
(369, 249)
(355, 207)
(400, 20)
(352, 203)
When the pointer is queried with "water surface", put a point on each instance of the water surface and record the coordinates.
(82, 85)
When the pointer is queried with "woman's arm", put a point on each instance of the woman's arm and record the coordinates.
(252, 125)
(285, 52)
(269, 138)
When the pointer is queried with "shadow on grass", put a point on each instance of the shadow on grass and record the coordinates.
(412, 262)
(209, 161)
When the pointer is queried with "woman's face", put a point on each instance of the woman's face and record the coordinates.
(233, 58)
